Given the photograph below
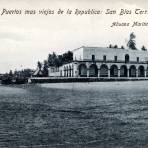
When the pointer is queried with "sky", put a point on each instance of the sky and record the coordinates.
(26, 39)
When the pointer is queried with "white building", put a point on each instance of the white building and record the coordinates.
(104, 62)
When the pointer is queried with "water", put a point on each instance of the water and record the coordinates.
(99, 114)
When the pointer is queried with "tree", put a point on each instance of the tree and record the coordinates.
(143, 48)
(27, 72)
(58, 60)
(110, 46)
(39, 65)
(70, 56)
(115, 46)
(122, 47)
(45, 68)
(52, 59)
(131, 43)
(67, 57)
(10, 73)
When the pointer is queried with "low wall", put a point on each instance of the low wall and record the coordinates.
(81, 79)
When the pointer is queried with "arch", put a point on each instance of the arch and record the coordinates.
(72, 70)
(147, 72)
(67, 71)
(64, 71)
(103, 70)
(114, 71)
(82, 70)
(70, 73)
(93, 70)
(127, 58)
(132, 71)
(141, 71)
(123, 71)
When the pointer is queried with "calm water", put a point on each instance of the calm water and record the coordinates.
(90, 115)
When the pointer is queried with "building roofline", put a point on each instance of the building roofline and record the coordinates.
(105, 48)
(78, 48)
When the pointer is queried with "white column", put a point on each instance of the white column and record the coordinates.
(144, 73)
(75, 70)
(109, 73)
(136, 72)
(128, 73)
(87, 72)
(98, 73)
(118, 72)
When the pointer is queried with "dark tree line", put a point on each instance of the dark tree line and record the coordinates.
(17, 77)
(59, 60)
(54, 60)
(25, 73)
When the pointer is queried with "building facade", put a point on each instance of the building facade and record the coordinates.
(104, 62)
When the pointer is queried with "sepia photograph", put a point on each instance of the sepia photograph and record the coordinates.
(73, 74)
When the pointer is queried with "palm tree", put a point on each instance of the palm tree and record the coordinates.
(131, 43)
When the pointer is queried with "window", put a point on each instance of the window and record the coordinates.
(93, 57)
(126, 58)
(137, 59)
(115, 58)
(104, 58)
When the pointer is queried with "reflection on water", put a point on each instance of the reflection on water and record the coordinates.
(111, 114)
